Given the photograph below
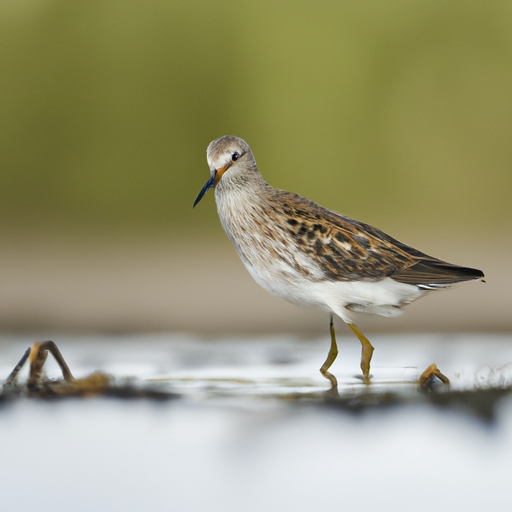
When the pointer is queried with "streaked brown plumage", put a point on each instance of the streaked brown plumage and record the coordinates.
(372, 255)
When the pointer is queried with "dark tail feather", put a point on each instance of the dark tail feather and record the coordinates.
(435, 273)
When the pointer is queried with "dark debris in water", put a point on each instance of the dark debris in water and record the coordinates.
(96, 384)
(481, 403)
(432, 388)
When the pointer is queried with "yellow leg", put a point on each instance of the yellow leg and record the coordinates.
(331, 356)
(366, 352)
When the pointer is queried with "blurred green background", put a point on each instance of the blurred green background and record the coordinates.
(398, 113)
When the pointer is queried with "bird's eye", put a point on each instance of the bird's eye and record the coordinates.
(235, 156)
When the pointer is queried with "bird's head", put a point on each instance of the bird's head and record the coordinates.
(227, 156)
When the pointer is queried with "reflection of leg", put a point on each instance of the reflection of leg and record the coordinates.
(366, 352)
(331, 356)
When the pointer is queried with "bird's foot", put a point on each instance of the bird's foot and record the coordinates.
(430, 375)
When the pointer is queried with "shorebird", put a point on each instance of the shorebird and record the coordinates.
(311, 256)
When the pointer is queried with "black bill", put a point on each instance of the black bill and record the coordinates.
(207, 186)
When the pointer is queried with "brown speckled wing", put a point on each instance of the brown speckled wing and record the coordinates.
(347, 250)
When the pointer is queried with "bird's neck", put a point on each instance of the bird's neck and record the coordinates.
(242, 191)
(242, 202)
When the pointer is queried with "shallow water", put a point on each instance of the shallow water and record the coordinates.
(248, 426)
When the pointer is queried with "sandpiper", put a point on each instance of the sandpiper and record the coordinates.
(308, 255)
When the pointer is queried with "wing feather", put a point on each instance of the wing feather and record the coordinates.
(346, 249)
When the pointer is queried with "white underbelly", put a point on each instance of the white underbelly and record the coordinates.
(344, 298)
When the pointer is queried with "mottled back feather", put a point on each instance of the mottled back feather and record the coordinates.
(347, 249)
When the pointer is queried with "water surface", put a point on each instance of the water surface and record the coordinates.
(247, 426)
